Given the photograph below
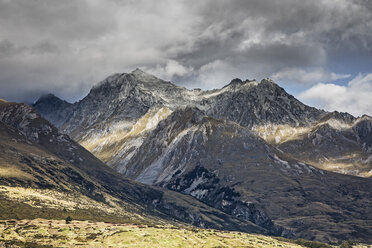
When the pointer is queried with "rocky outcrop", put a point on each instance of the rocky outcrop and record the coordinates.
(251, 103)
(205, 186)
(363, 129)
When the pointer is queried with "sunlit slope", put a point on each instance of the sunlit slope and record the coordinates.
(87, 234)
(35, 182)
(117, 142)
(330, 144)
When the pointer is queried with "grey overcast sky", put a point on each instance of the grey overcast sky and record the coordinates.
(320, 50)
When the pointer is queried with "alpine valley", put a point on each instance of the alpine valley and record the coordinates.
(137, 149)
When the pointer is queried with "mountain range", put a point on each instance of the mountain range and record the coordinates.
(248, 156)
(130, 105)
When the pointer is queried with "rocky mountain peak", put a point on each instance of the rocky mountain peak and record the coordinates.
(50, 100)
(147, 81)
(48, 96)
(107, 86)
(237, 83)
(143, 76)
(268, 86)
(268, 81)
(366, 117)
(53, 108)
(120, 84)
(139, 71)
(340, 116)
(250, 103)
(24, 118)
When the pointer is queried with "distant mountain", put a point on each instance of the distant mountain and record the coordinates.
(334, 144)
(247, 147)
(54, 109)
(43, 173)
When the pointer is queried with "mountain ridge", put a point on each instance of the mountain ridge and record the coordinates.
(122, 99)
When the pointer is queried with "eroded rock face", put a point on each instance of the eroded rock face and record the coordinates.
(27, 121)
(363, 128)
(204, 186)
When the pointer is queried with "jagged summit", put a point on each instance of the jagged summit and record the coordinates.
(268, 81)
(237, 82)
(24, 118)
(53, 108)
(341, 116)
(138, 70)
(47, 97)
(136, 77)
(144, 76)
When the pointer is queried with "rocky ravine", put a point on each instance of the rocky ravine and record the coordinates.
(249, 149)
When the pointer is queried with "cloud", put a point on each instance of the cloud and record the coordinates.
(65, 47)
(170, 70)
(354, 98)
(214, 74)
(307, 77)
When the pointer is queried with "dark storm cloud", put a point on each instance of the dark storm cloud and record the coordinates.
(7, 48)
(66, 20)
(262, 38)
(66, 46)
